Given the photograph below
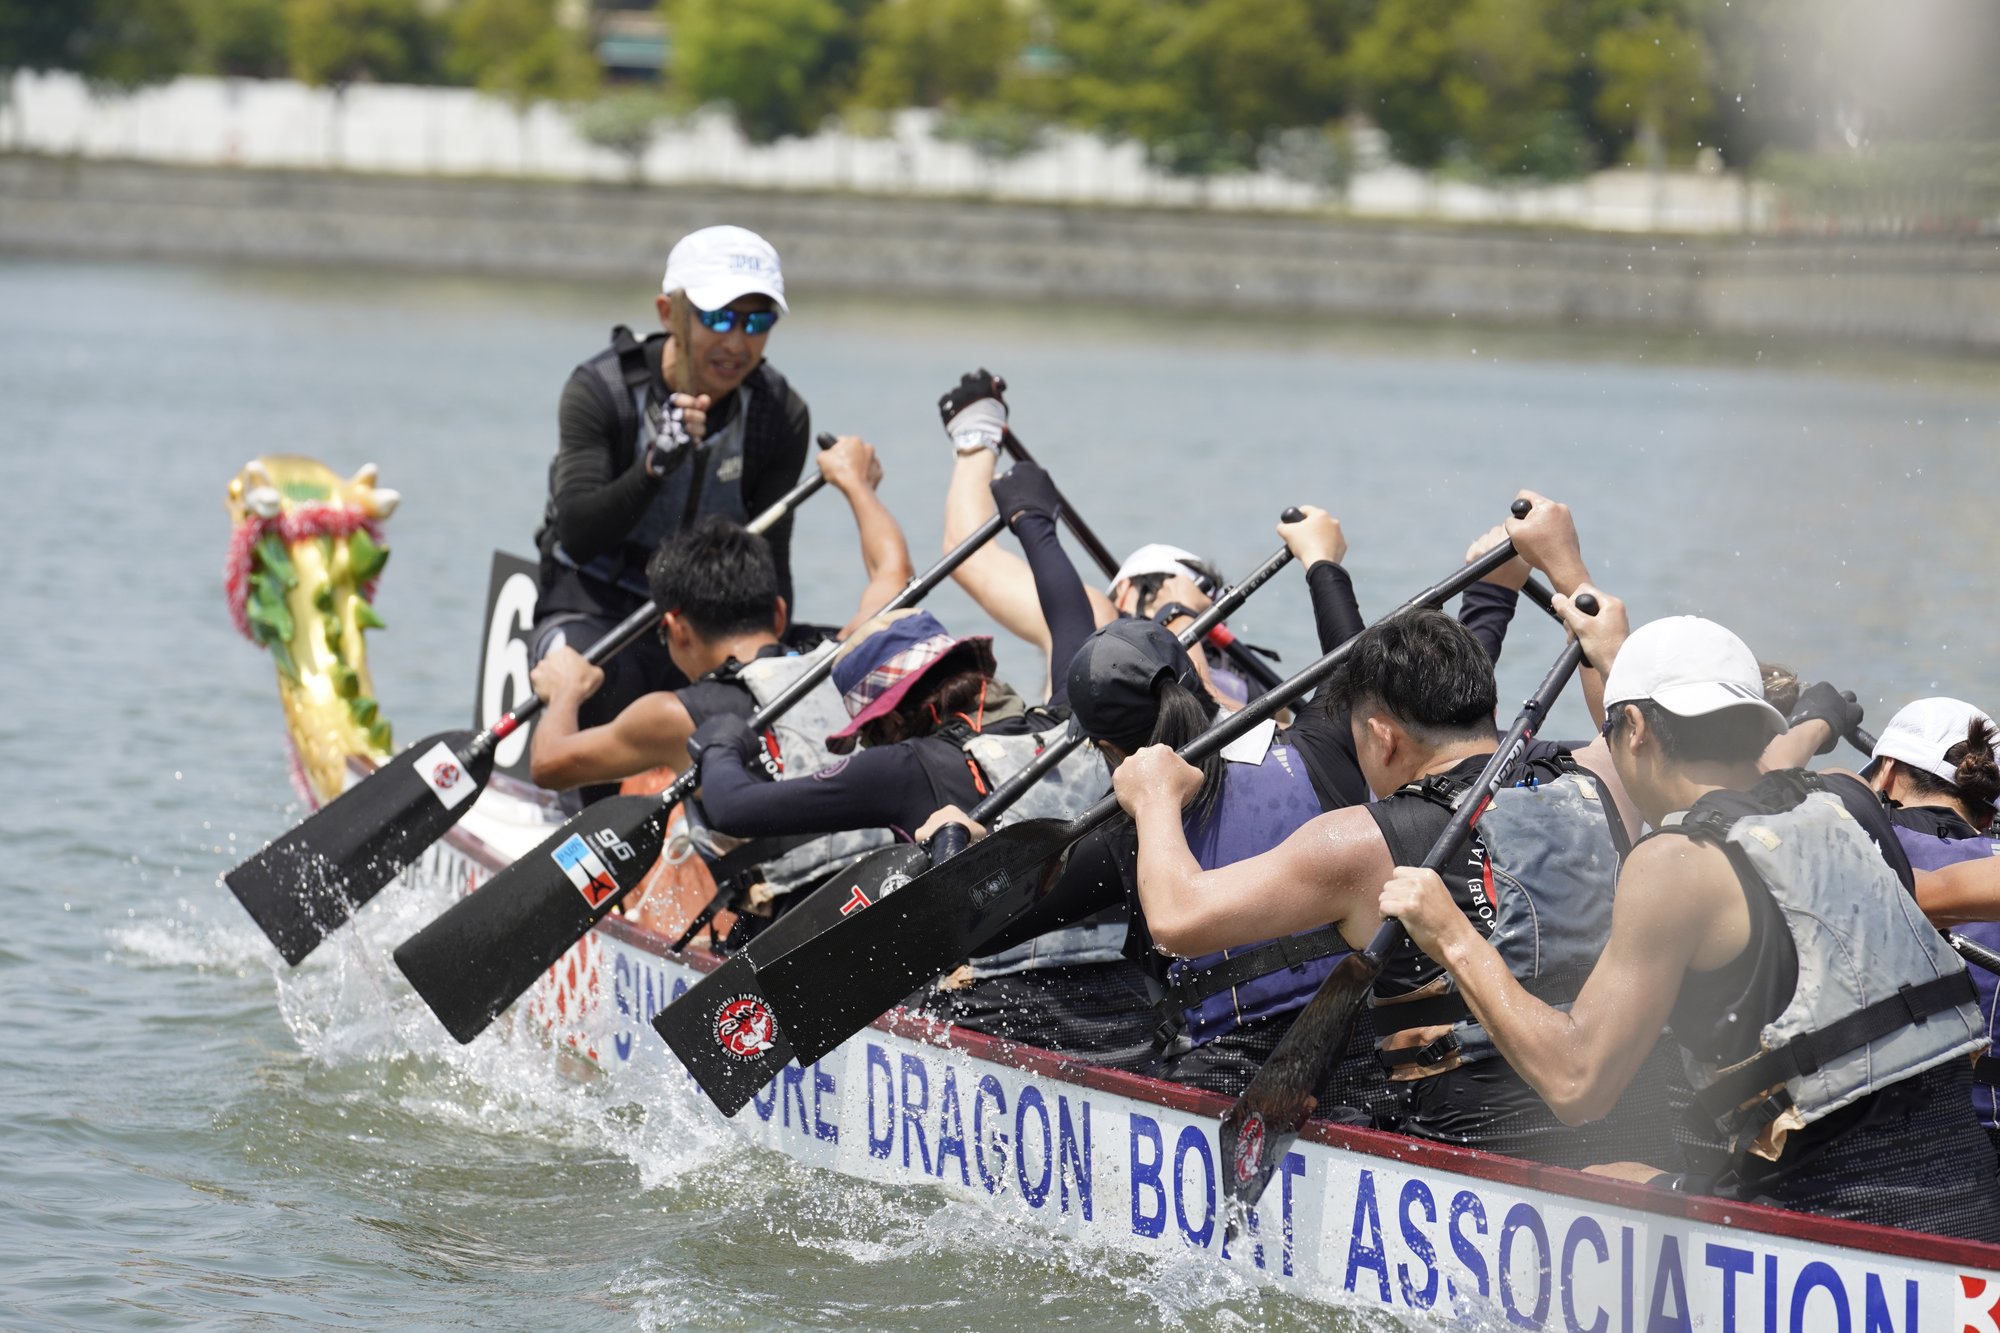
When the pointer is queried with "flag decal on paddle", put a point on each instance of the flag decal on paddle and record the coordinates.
(1249, 1148)
(446, 776)
(745, 1027)
(589, 874)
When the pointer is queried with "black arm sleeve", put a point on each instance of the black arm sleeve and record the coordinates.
(1064, 605)
(596, 504)
(1486, 610)
(884, 787)
(1336, 615)
(769, 475)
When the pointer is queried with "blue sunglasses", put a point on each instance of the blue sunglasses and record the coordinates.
(755, 322)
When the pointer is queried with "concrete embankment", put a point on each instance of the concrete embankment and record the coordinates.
(1943, 292)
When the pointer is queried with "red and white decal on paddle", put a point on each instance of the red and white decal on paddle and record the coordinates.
(446, 776)
(1978, 1305)
(745, 1027)
(856, 900)
(1249, 1149)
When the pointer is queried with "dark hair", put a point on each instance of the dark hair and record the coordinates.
(1426, 671)
(945, 694)
(718, 577)
(1183, 715)
(1146, 587)
(1781, 686)
(1977, 780)
(1726, 736)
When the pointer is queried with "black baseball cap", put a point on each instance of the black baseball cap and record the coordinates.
(1112, 676)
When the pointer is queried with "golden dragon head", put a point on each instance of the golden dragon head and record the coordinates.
(303, 559)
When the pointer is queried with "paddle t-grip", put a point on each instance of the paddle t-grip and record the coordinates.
(1585, 603)
(827, 439)
(1294, 514)
(1520, 508)
(948, 842)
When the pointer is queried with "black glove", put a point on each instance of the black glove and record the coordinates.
(726, 735)
(975, 413)
(1821, 702)
(1026, 489)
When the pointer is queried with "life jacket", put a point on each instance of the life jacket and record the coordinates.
(793, 746)
(1934, 839)
(623, 373)
(1880, 997)
(1540, 873)
(1260, 803)
(1067, 790)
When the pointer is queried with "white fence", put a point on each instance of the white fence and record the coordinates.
(454, 131)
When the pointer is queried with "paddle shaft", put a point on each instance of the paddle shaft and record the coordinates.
(1976, 954)
(629, 630)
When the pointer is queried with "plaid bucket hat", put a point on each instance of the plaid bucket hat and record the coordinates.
(886, 658)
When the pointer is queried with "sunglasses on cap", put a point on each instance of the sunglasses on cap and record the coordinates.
(755, 322)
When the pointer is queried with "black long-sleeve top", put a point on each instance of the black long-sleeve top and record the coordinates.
(599, 486)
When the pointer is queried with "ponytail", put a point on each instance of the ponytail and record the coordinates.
(1184, 715)
(1978, 776)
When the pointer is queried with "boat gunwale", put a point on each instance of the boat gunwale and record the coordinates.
(1399, 1149)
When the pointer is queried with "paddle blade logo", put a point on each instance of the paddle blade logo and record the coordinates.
(855, 902)
(445, 776)
(745, 1027)
(585, 871)
(1249, 1149)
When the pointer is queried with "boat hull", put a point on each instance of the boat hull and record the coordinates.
(1365, 1220)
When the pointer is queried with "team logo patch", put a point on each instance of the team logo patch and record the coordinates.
(1249, 1149)
(445, 776)
(585, 870)
(745, 1027)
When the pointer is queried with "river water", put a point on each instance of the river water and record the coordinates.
(186, 1135)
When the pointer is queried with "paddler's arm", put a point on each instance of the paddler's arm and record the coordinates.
(1676, 908)
(873, 788)
(852, 468)
(1327, 871)
(595, 504)
(1318, 544)
(1547, 540)
(770, 472)
(1028, 498)
(1962, 893)
(651, 731)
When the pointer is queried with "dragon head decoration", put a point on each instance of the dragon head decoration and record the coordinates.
(304, 557)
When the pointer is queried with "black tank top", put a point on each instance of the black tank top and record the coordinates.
(720, 692)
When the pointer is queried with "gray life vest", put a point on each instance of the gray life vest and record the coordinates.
(1067, 790)
(1546, 855)
(795, 747)
(1881, 996)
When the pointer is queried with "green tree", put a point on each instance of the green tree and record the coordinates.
(334, 44)
(937, 53)
(517, 49)
(781, 65)
(626, 123)
(1654, 82)
(242, 39)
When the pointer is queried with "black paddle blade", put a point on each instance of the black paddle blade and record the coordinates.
(726, 1034)
(862, 884)
(1260, 1128)
(832, 986)
(306, 885)
(486, 949)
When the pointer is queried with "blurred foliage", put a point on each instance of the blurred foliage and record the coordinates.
(517, 50)
(1895, 187)
(1844, 102)
(334, 43)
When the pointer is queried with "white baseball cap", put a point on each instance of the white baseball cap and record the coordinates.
(1160, 558)
(716, 265)
(1690, 667)
(1921, 732)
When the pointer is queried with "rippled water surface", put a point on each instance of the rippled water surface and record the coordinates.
(187, 1136)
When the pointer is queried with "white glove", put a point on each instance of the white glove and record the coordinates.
(666, 438)
(977, 426)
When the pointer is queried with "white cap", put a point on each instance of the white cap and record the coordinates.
(716, 265)
(1690, 667)
(1160, 558)
(1921, 732)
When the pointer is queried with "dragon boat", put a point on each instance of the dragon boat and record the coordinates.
(1372, 1222)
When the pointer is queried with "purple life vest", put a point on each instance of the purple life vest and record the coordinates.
(1258, 807)
(1926, 837)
